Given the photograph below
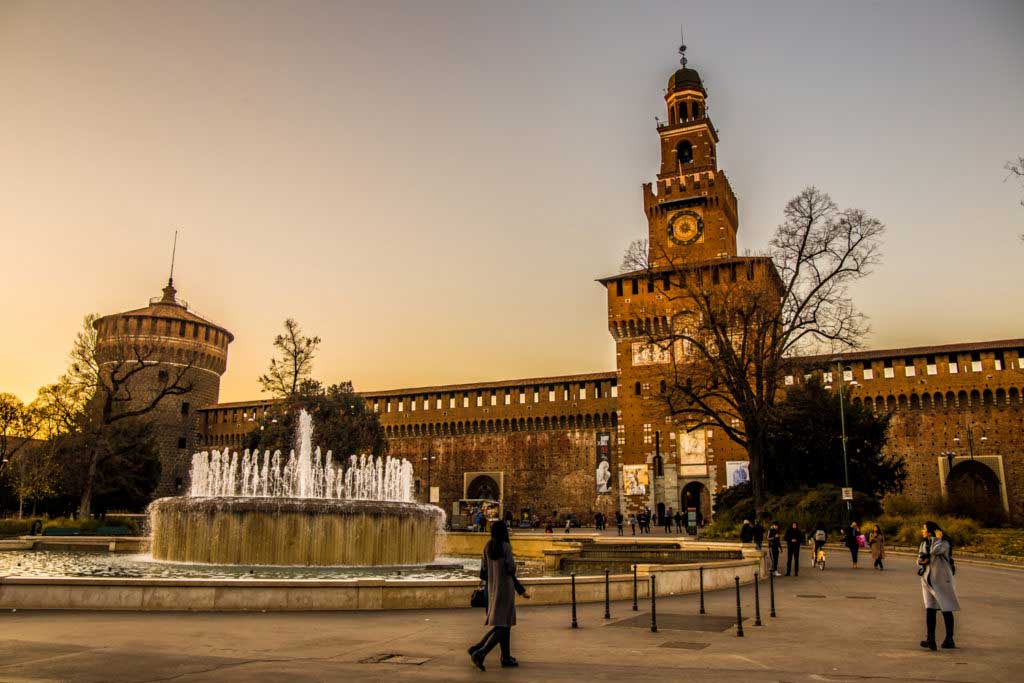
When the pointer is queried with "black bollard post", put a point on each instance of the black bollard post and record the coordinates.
(771, 588)
(757, 602)
(635, 608)
(739, 611)
(702, 590)
(654, 613)
(575, 624)
(607, 597)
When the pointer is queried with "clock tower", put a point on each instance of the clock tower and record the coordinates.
(691, 210)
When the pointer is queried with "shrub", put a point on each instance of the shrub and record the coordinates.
(959, 531)
(15, 527)
(901, 506)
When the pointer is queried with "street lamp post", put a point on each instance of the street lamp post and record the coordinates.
(842, 426)
(429, 457)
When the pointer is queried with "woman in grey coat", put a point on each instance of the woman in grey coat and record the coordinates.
(498, 569)
(935, 557)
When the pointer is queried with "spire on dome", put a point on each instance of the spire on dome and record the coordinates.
(682, 47)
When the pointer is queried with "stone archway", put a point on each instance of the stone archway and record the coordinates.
(972, 485)
(696, 495)
(483, 487)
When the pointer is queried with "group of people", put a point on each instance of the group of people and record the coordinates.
(795, 538)
(935, 567)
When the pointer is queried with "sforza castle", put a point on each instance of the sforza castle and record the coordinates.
(604, 441)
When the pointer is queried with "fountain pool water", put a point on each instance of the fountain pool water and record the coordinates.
(263, 509)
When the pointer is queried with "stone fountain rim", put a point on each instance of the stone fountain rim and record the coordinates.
(298, 505)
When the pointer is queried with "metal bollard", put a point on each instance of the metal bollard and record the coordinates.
(635, 608)
(654, 613)
(771, 587)
(702, 590)
(575, 624)
(739, 611)
(757, 601)
(607, 596)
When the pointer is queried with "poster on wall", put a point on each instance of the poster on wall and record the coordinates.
(737, 472)
(603, 472)
(635, 480)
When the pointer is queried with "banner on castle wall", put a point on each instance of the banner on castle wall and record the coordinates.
(635, 480)
(693, 453)
(737, 472)
(603, 469)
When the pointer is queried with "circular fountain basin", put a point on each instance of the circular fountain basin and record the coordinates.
(293, 531)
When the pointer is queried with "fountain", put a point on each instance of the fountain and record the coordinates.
(263, 509)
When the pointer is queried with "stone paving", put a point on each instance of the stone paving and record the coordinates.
(836, 625)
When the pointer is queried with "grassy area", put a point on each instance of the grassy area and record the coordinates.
(1003, 542)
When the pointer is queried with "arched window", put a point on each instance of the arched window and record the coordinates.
(696, 110)
(684, 152)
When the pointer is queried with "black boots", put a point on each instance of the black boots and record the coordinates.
(929, 620)
(947, 620)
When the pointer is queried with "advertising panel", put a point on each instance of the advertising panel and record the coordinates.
(603, 463)
(635, 480)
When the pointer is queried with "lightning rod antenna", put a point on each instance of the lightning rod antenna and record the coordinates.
(174, 252)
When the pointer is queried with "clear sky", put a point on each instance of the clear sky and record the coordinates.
(432, 187)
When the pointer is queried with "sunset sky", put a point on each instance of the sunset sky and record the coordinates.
(432, 187)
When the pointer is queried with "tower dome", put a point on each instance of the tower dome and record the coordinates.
(685, 78)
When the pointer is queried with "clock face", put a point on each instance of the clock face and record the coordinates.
(685, 227)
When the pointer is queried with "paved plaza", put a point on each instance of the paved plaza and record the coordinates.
(835, 625)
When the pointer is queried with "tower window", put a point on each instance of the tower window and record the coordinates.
(181, 442)
(684, 152)
(184, 407)
(636, 388)
(636, 286)
(696, 110)
(618, 288)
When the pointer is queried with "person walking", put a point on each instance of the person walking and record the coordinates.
(935, 557)
(852, 542)
(758, 533)
(794, 539)
(877, 543)
(619, 520)
(746, 532)
(498, 571)
(568, 523)
(668, 522)
(632, 522)
(775, 547)
(679, 521)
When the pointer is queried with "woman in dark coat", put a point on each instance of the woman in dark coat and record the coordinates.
(498, 569)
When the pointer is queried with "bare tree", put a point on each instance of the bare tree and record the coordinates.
(1016, 169)
(294, 361)
(32, 474)
(123, 377)
(730, 337)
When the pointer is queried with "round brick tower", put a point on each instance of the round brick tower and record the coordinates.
(175, 344)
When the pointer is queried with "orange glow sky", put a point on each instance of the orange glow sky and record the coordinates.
(433, 187)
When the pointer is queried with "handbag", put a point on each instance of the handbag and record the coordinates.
(478, 598)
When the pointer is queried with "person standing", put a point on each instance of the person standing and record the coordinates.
(758, 532)
(852, 542)
(746, 532)
(679, 521)
(668, 522)
(498, 571)
(775, 547)
(935, 557)
(877, 543)
(632, 522)
(618, 520)
(794, 539)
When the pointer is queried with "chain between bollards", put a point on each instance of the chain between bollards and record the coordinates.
(757, 601)
(739, 611)
(654, 613)
(635, 608)
(771, 587)
(607, 596)
(572, 576)
(702, 590)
